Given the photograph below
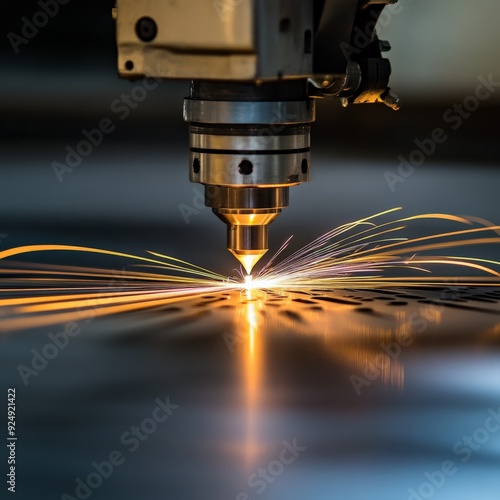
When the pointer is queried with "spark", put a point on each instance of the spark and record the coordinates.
(368, 253)
(360, 253)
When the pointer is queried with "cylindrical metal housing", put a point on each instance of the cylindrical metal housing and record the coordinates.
(248, 144)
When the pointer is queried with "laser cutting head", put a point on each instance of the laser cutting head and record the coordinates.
(248, 154)
(256, 67)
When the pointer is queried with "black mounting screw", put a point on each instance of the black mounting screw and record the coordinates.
(146, 29)
(304, 166)
(245, 167)
(196, 166)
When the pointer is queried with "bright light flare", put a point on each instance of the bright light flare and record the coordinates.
(255, 283)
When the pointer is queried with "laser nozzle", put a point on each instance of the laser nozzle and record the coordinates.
(248, 260)
(247, 212)
(247, 243)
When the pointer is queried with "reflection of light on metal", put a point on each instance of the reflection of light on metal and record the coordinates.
(249, 315)
(251, 321)
(374, 348)
(494, 333)
(370, 361)
(372, 365)
(497, 330)
(432, 314)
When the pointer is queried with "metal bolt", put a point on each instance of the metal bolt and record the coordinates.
(146, 29)
(393, 101)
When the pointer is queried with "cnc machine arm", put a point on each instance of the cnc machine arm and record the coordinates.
(256, 67)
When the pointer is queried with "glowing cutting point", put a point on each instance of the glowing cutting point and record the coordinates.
(248, 260)
(250, 284)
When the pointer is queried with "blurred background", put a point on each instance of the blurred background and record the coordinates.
(128, 195)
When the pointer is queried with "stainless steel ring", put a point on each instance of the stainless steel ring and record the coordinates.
(246, 199)
(267, 170)
(249, 112)
(263, 141)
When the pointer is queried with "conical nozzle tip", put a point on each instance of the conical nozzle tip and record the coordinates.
(248, 260)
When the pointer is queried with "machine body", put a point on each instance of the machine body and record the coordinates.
(256, 68)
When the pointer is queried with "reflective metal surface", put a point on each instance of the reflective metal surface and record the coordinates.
(249, 112)
(352, 394)
(281, 169)
(250, 142)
